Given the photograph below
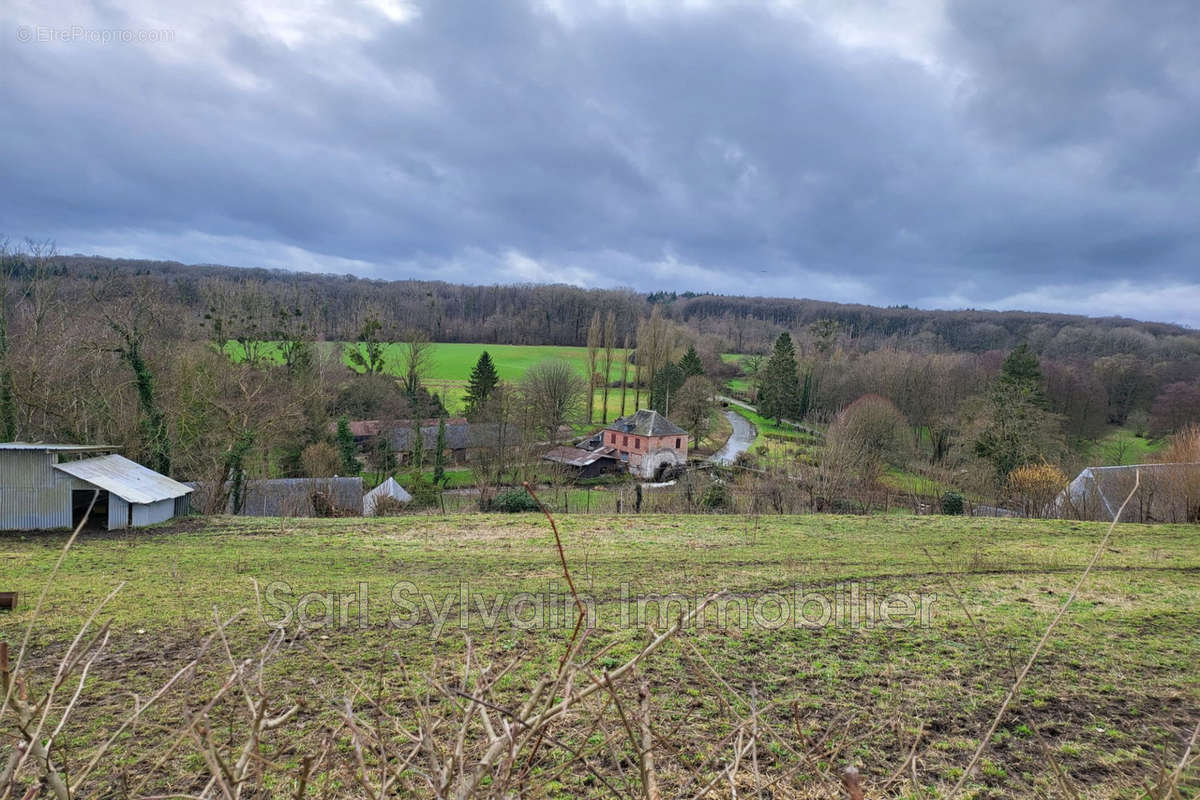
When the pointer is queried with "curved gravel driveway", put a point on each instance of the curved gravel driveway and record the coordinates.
(739, 441)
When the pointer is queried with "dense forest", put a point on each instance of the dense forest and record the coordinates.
(336, 305)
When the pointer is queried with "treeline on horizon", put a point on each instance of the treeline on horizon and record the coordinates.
(133, 353)
(335, 308)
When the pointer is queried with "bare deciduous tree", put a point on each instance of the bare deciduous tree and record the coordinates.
(692, 406)
(416, 354)
(554, 394)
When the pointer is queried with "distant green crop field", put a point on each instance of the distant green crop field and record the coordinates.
(451, 363)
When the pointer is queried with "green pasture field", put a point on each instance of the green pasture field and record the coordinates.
(450, 366)
(1122, 447)
(1115, 692)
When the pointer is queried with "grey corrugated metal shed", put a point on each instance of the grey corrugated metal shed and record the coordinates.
(284, 497)
(126, 479)
(42, 447)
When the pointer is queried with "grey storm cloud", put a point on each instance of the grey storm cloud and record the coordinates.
(988, 153)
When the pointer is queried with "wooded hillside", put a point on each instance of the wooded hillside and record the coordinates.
(336, 305)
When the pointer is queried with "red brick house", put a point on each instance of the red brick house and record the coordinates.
(647, 442)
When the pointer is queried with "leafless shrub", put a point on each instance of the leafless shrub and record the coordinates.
(388, 507)
(1035, 487)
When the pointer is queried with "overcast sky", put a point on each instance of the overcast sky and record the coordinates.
(985, 153)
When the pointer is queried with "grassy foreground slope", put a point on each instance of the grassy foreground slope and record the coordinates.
(1117, 682)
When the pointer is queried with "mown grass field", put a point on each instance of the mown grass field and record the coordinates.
(450, 365)
(1117, 683)
(1121, 447)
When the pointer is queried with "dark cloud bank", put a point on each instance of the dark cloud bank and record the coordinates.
(995, 153)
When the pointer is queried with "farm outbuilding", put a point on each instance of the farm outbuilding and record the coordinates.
(584, 463)
(463, 439)
(284, 497)
(49, 486)
(390, 490)
(1166, 493)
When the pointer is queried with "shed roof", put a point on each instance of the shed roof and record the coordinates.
(44, 447)
(646, 422)
(460, 435)
(574, 457)
(1109, 486)
(366, 428)
(127, 479)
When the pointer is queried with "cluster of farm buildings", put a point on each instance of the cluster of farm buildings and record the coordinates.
(49, 486)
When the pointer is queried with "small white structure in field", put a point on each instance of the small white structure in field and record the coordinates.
(388, 488)
(1166, 493)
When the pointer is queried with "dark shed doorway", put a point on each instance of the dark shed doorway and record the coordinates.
(80, 500)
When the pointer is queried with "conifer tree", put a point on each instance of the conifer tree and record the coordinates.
(690, 363)
(1018, 430)
(1022, 374)
(346, 447)
(808, 391)
(780, 393)
(666, 383)
(479, 386)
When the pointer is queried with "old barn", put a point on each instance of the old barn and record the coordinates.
(48, 486)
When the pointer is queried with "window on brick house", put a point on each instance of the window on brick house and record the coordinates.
(677, 443)
(624, 441)
(637, 443)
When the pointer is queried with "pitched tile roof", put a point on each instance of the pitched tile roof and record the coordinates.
(646, 422)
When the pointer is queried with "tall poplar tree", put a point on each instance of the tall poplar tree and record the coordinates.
(593, 351)
(439, 454)
(610, 342)
(625, 372)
